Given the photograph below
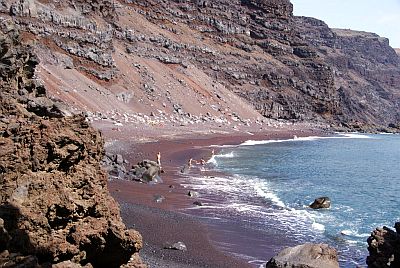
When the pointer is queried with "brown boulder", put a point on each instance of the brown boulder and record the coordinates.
(306, 256)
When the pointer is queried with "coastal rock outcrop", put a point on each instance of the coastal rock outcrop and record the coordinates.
(321, 202)
(384, 247)
(306, 256)
(54, 204)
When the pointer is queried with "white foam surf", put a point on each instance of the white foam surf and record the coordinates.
(353, 233)
(318, 226)
(251, 198)
(309, 138)
(227, 155)
(355, 136)
(269, 195)
(213, 159)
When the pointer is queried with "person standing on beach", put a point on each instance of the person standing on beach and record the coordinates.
(190, 162)
(159, 159)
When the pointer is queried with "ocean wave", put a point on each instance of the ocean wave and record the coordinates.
(235, 186)
(269, 195)
(213, 159)
(246, 196)
(354, 233)
(227, 155)
(355, 136)
(309, 138)
(318, 226)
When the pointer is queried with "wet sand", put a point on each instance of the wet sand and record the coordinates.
(210, 243)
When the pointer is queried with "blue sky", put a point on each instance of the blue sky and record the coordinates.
(378, 16)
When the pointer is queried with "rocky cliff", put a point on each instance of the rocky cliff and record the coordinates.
(384, 247)
(140, 56)
(55, 208)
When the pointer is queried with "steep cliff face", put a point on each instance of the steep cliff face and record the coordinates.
(140, 55)
(366, 72)
(54, 202)
(251, 46)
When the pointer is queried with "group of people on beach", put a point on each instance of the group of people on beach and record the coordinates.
(201, 162)
(190, 161)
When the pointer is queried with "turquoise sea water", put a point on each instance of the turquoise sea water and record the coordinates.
(271, 183)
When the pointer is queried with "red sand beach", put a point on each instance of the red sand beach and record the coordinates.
(168, 221)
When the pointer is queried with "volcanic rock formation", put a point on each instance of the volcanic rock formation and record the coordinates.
(192, 59)
(285, 67)
(384, 247)
(54, 203)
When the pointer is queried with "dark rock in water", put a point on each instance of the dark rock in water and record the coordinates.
(193, 194)
(306, 256)
(159, 198)
(198, 203)
(384, 247)
(321, 202)
(176, 246)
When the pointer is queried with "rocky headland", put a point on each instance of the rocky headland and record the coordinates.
(55, 208)
(384, 247)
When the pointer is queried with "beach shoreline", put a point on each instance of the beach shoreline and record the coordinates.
(210, 243)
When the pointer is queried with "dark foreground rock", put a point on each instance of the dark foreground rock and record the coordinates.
(321, 202)
(306, 256)
(54, 204)
(384, 247)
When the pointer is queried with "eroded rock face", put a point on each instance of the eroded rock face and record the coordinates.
(54, 202)
(384, 247)
(287, 67)
(306, 256)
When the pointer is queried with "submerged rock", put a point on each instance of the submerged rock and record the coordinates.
(321, 202)
(306, 256)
